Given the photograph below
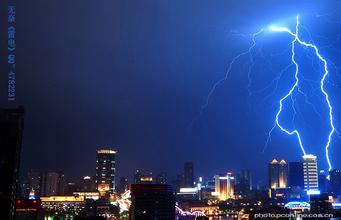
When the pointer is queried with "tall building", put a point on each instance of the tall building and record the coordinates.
(188, 175)
(243, 182)
(335, 182)
(47, 183)
(137, 176)
(224, 187)
(273, 174)
(53, 183)
(152, 201)
(278, 174)
(283, 174)
(310, 172)
(105, 170)
(296, 175)
(11, 130)
(322, 181)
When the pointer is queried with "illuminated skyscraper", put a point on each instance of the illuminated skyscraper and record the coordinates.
(11, 130)
(188, 175)
(283, 174)
(105, 171)
(310, 172)
(278, 174)
(224, 187)
(273, 174)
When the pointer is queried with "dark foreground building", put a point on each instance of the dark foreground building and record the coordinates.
(11, 129)
(320, 204)
(152, 201)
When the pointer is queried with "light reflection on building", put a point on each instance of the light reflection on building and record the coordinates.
(224, 187)
(278, 174)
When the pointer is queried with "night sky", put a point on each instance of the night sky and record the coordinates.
(133, 75)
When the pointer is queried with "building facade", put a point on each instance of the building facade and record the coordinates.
(243, 182)
(53, 183)
(137, 176)
(224, 187)
(105, 170)
(188, 175)
(310, 174)
(278, 174)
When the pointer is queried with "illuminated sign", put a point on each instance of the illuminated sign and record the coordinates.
(87, 195)
(188, 190)
(61, 199)
(297, 205)
(103, 151)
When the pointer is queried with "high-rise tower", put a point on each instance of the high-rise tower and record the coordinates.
(278, 174)
(310, 172)
(105, 170)
(188, 175)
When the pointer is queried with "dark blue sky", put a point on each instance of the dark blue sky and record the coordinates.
(134, 74)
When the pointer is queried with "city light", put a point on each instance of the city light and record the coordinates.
(62, 199)
(297, 205)
(123, 201)
(103, 151)
(313, 192)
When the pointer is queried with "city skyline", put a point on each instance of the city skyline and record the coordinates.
(280, 174)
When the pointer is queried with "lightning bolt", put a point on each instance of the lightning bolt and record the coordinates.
(296, 39)
(223, 79)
